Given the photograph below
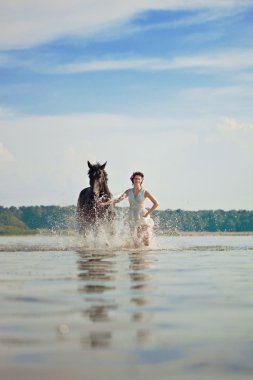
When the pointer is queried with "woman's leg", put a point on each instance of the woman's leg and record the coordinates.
(143, 234)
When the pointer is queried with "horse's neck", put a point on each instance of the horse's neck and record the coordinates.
(103, 190)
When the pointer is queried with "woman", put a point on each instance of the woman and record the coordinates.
(139, 217)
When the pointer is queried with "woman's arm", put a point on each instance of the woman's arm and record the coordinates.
(114, 200)
(153, 200)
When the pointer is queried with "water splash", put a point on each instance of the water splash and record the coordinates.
(64, 235)
(116, 234)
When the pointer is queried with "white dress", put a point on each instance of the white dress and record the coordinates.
(137, 209)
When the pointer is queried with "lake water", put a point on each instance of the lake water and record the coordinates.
(181, 310)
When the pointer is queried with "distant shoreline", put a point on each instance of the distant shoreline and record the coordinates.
(26, 220)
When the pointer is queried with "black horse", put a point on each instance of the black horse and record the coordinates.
(89, 215)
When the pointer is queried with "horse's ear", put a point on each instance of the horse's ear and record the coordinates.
(103, 166)
(89, 164)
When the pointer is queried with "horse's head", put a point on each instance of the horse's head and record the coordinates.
(98, 177)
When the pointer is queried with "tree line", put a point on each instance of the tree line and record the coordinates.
(29, 219)
(206, 220)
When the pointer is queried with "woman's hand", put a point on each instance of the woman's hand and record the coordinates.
(101, 204)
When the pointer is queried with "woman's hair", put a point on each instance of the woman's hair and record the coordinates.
(136, 173)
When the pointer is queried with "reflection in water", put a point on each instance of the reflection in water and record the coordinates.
(139, 264)
(101, 279)
(141, 281)
(97, 339)
(97, 281)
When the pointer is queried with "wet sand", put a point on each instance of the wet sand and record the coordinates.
(182, 310)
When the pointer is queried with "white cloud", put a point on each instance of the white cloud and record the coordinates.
(212, 94)
(91, 124)
(6, 113)
(27, 23)
(245, 77)
(226, 60)
(233, 125)
(238, 134)
(218, 100)
(234, 60)
(52, 152)
(179, 162)
(5, 154)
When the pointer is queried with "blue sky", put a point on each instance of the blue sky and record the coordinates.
(161, 86)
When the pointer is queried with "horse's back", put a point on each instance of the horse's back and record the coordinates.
(84, 194)
(83, 209)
